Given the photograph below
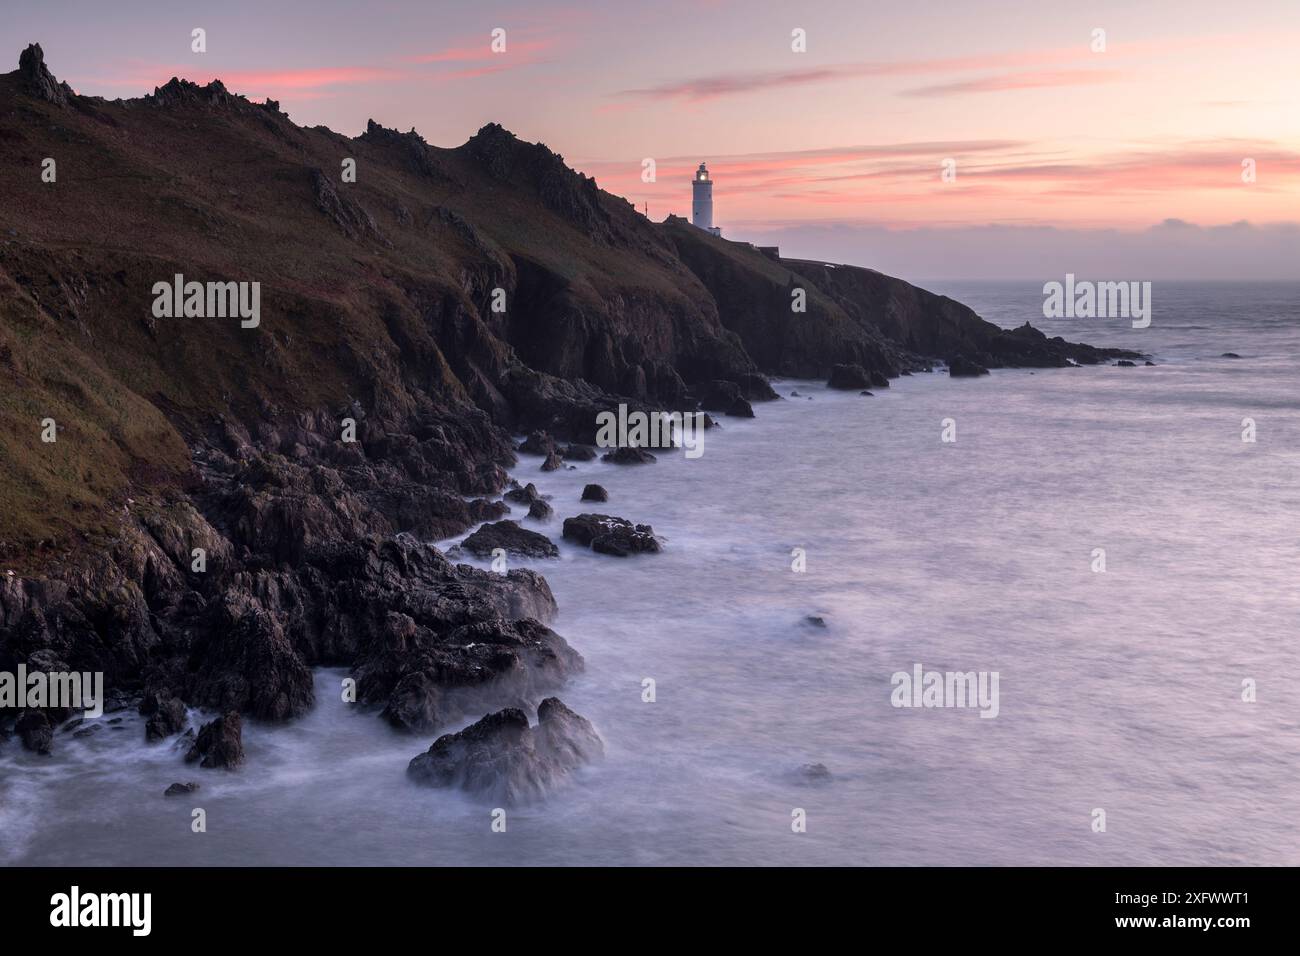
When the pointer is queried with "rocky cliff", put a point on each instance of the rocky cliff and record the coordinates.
(205, 509)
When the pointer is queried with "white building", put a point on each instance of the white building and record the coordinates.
(702, 201)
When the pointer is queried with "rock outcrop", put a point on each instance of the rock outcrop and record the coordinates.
(503, 760)
(606, 534)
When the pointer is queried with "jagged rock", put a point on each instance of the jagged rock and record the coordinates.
(540, 510)
(166, 715)
(607, 534)
(219, 744)
(814, 620)
(1125, 363)
(757, 388)
(594, 493)
(180, 789)
(740, 409)
(38, 80)
(343, 211)
(538, 443)
(523, 496)
(849, 376)
(629, 456)
(426, 678)
(552, 463)
(512, 538)
(577, 452)
(34, 730)
(501, 759)
(961, 367)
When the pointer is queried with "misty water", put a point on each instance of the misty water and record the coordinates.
(1119, 690)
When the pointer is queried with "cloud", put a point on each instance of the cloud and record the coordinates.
(1019, 81)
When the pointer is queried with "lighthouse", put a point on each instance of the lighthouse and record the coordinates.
(702, 200)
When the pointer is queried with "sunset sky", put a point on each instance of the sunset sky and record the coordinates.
(1062, 154)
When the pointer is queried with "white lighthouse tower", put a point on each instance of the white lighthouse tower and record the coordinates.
(702, 201)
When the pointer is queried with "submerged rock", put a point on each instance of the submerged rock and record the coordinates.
(504, 760)
(219, 744)
(540, 510)
(594, 493)
(512, 538)
(579, 453)
(629, 456)
(607, 534)
(523, 496)
(180, 789)
(553, 462)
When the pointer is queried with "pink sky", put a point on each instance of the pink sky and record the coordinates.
(851, 134)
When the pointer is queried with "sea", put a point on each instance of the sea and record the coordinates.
(1119, 546)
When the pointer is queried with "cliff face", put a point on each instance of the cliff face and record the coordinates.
(441, 300)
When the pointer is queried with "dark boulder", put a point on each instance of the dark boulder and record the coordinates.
(34, 730)
(579, 453)
(552, 462)
(540, 510)
(180, 789)
(961, 367)
(425, 678)
(606, 534)
(538, 443)
(500, 758)
(523, 496)
(594, 493)
(757, 388)
(219, 744)
(849, 376)
(1229, 355)
(165, 713)
(740, 408)
(1125, 363)
(512, 538)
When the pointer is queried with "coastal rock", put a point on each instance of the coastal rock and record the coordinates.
(538, 443)
(540, 510)
(500, 758)
(961, 367)
(166, 715)
(425, 678)
(594, 493)
(606, 534)
(552, 462)
(577, 452)
(849, 376)
(512, 538)
(34, 730)
(1232, 355)
(629, 456)
(523, 496)
(740, 408)
(219, 744)
(1124, 363)
(181, 789)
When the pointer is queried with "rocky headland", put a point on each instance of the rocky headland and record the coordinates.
(225, 508)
